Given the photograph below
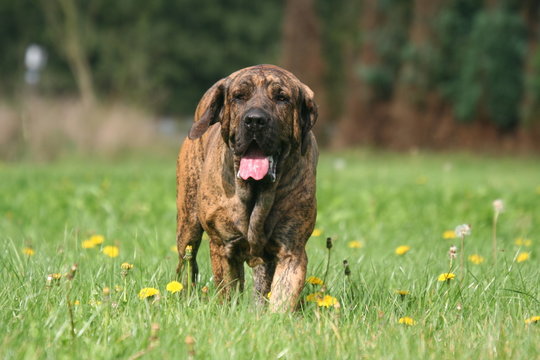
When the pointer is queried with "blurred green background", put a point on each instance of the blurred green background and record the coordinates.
(398, 74)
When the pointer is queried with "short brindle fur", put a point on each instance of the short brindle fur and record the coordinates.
(265, 223)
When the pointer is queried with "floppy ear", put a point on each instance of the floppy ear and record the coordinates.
(308, 115)
(208, 111)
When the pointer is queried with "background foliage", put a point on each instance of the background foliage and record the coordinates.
(472, 61)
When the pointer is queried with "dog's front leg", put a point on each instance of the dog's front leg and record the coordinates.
(288, 281)
(262, 279)
(228, 269)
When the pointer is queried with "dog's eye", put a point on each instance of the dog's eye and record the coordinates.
(281, 97)
(240, 96)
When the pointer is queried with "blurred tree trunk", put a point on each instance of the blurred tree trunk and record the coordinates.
(302, 54)
(63, 20)
(410, 125)
(531, 14)
(358, 124)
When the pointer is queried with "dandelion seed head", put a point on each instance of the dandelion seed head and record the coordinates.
(452, 252)
(463, 230)
(498, 206)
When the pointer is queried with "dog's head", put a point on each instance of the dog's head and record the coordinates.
(265, 113)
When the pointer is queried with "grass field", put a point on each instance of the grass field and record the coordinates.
(369, 204)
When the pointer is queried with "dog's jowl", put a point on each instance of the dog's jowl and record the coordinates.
(246, 176)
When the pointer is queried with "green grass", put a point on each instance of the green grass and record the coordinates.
(381, 200)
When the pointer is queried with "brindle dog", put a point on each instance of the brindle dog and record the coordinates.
(246, 176)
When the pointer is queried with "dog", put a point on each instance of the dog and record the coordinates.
(246, 176)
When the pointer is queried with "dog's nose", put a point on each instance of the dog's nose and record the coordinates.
(256, 119)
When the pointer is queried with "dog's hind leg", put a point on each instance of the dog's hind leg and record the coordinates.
(188, 230)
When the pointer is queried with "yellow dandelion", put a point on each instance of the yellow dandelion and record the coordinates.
(523, 242)
(313, 297)
(111, 251)
(97, 239)
(449, 234)
(446, 276)
(126, 266)
(524, 256)
(76, 303)
(316, 232)
(402, 292)
(532, 320)
(174, 287)
(421, 180)
(407, 321)
(174, 248)
(476, 259)
(327, 301)
(28, 251)
(314, 280)
(403, 249)
(355, 244)
(88, 244)
(93, 241)
(56, 276)
(269, 295)
(94, 302)
(148, 293)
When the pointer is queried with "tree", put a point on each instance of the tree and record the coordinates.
(302, 55)
(64, 22)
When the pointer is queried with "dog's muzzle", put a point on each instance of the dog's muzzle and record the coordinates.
(254, 163)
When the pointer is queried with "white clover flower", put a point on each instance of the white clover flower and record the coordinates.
(463, 230)
(498, 206)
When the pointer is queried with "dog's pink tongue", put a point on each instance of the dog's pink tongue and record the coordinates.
(253, 165)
